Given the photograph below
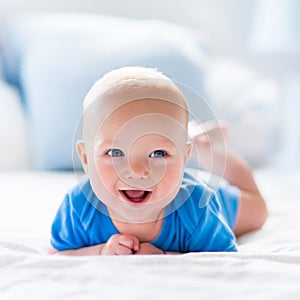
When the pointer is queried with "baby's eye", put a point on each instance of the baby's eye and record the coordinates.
(158, 153)
(115, 153)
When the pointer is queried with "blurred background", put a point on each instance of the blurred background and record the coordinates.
(247, 51)
(225, 22)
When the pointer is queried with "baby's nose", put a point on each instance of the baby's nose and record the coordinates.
(140, 167)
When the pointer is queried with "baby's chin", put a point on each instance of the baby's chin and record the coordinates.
(137, 213)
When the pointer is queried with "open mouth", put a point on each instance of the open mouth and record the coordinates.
(136, 196)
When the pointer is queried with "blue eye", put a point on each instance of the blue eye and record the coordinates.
(115, 153)
(158, 153)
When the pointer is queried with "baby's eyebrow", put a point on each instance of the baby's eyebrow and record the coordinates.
(166, 141)
(163, 138)
(103, 143)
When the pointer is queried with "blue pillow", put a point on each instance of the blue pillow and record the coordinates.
(59, 58)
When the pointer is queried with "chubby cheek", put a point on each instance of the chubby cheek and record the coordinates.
(106, 176)
(171, 180)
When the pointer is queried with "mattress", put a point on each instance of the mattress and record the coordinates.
(267, 265)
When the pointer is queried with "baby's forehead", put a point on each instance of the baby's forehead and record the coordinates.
(132, 96)
(111, 112)
(137, 117)
(142, 118)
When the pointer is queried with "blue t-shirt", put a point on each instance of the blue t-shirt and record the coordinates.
(198, 219)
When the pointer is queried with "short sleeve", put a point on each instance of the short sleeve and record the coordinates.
(67, 231)
(212, 232)
(208, 227)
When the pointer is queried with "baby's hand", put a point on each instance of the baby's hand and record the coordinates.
(147, 248)
(120, 244)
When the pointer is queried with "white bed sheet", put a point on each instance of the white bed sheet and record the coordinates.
(266, 267)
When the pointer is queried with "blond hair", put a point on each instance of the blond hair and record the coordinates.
(130, 77)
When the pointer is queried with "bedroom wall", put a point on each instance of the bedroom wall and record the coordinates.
(216, 18)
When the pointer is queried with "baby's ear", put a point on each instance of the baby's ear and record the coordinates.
(189, 146)
(82, 153)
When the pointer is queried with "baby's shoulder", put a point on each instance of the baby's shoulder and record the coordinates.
(194, 202)
(80, 196)
(203, 202)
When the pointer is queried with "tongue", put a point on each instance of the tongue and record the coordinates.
(135, 194)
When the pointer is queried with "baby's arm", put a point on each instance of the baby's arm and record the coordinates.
(92, 250)
(147, 248)
(118, 244)
(252, 209)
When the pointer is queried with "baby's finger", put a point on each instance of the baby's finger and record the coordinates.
(129, 241)
(122, 250)
(136, 244)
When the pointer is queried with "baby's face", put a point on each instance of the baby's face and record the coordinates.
(135, 161)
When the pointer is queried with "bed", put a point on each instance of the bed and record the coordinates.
(267, 265)
(45, 58)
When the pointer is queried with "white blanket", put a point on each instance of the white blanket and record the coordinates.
(266, 267)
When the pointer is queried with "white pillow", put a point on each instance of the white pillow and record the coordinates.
(14, 143)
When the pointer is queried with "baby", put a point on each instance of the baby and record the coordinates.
(137, 197)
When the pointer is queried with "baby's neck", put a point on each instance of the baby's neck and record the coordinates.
(145, 232)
